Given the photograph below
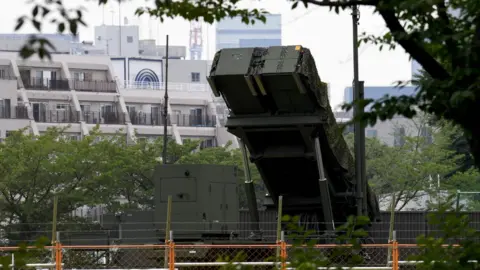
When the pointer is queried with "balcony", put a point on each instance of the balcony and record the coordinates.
(191, 120)
(56, 116)
(95, 86)
(105, 117)
(45, 84)
(15, 112)
(4, 77)
(148, 119)
(182, 87)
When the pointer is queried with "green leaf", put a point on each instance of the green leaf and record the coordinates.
(73, 27)
(20, 23)
(35, 11)
(61, 27)
(36, 24)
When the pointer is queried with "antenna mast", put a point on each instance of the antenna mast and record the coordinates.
(196, 40)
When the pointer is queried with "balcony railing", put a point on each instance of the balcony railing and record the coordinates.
(57, 116)
(182, 87)
(112, 118)
(7, 77)
(45, 84)
(191, 120)
(95, 86)
(148, 119)
(15, 112)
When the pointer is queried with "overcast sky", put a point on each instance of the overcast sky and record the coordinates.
(327, 34)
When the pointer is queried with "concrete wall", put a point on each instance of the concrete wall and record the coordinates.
(180, 71)
(118, 41)
(8, 90)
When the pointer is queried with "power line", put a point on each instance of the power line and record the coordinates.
(363, 49)
(301, 16)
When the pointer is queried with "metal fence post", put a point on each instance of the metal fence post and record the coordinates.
(395, 255)
(58, 256)
(171, 255)
(283, 254)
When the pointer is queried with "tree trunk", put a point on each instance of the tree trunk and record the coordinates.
(474, 142)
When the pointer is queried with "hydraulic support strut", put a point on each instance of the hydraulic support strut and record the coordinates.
(250, 191)
(324, 193)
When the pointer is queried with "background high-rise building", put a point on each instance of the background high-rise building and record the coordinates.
(233, 33)
(416, 68)
(377, 92)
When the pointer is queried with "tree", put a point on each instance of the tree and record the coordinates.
(35, 168)
(412, 170)
(447, 46)
(97, 170)
(458, 144)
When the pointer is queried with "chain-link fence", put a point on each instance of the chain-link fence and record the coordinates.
(199, 256)
(279, 255)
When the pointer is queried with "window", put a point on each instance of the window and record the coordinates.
(85, 108)
(78, 76)
(62, 107)
(195, 76)
(129, 39)
(425, 133)
(399, 135)
(371, 133)
(208, 143)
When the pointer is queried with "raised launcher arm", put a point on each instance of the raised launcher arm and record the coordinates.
(279, 108)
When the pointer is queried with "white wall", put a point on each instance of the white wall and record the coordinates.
(180, 71)
(118, 65)
(117, 38)
(144, 69)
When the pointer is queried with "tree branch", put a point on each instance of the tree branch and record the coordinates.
(475, 53)
(410, 46)
(448, 33)
(407, 199)
(341, 3)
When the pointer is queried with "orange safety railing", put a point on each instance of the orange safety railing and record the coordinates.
(195, 256)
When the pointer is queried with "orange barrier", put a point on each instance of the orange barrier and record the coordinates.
(375, 256)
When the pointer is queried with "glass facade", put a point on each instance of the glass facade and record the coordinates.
(233, 33)
(415, 69)
(377, 92)
(259, 42)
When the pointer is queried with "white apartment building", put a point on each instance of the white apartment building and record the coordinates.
(127, 94)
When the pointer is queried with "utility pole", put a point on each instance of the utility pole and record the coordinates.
(359, 129)
(165, 108)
